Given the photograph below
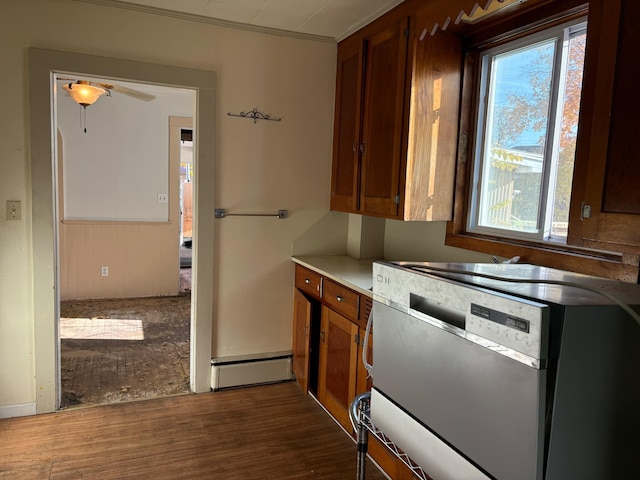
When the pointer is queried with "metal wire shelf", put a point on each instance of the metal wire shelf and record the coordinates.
(413, 466)
(361, 421)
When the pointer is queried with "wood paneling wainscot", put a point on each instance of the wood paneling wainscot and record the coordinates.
(143, 260)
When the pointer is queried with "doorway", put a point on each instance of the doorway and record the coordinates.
(124, 308)
(42, 64)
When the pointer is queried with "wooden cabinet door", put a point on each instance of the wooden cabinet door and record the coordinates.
(382, 130)
(301, 340)
(337, 371)
(345, 176)
(607, 167)
(434, 100)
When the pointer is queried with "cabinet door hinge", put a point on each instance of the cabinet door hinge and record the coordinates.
(585, 211)
(406, 32)
(396, 199)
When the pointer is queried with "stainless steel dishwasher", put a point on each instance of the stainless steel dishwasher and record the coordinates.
(479, 378)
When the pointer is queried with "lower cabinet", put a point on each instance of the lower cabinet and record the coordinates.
(328, 334)
(301, 344)
(338, 365)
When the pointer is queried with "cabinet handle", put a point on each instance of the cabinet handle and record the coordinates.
(307, 281)
(355, 148)
(339, 298)
(362, 148)
(322, 336)
(306, 330)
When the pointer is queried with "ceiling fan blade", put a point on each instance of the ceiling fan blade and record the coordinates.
(147, 97)
(131, 92)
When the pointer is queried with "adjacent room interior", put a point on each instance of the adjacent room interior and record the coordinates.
(125, 210)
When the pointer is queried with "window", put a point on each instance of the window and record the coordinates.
(528, 109)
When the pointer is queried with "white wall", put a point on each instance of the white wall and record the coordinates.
(116, 169)
(261, 167)
(424, 242)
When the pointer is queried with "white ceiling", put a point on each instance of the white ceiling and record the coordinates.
(335, 19)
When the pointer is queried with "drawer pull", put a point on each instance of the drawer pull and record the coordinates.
(339, 298)
(307, 281)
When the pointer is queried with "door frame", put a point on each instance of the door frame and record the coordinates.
(42, 98)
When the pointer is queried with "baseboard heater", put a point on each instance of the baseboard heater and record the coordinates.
(242, 370)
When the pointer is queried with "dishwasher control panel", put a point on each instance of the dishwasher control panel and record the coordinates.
(501, 318)
(510, 323)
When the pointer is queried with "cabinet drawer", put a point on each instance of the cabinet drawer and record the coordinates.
(341, 299)
(308, 281)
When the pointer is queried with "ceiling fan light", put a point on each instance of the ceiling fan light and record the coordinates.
(84, 94)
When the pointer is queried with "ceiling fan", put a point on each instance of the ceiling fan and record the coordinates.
(86, 92)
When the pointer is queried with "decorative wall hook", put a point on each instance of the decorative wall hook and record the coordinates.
(255, 115)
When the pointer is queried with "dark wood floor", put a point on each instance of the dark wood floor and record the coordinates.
(264, 432)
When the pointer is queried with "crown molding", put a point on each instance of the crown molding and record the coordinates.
(207, 20)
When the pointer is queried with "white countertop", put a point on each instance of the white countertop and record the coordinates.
(353, 273)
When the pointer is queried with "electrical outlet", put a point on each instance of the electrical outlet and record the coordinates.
(104, 271)
(14, 210)
(163, 198)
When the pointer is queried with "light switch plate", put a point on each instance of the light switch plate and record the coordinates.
(14, 210)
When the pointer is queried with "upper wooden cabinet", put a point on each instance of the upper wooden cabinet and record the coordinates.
(396, 117)
(381, 143)
(368, 120)
(433, 120)
(345, 173)
(605, 211)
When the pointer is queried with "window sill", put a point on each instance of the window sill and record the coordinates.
(621, 267)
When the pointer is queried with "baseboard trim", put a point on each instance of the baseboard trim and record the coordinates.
(242, 370)
(18, 410)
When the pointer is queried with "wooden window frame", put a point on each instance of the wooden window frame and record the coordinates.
(538, 16)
